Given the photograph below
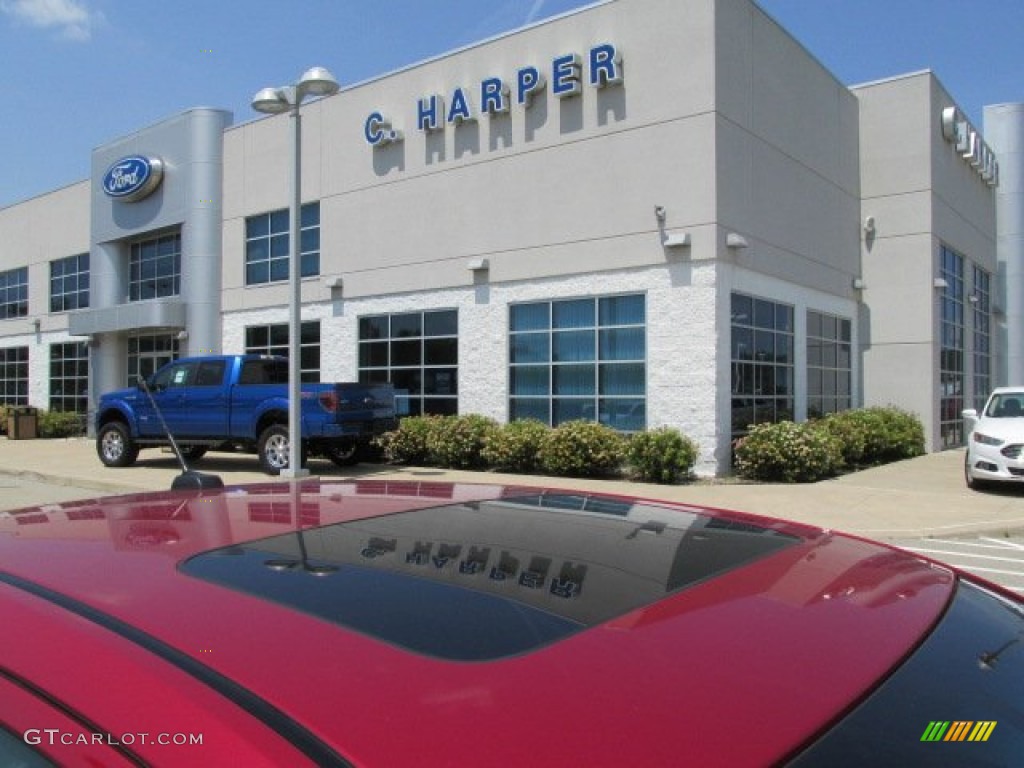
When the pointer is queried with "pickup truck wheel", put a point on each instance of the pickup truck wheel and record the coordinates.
(344, 455)
(272, 449)
(115, 446)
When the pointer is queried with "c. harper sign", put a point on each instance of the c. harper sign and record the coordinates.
(601, 67)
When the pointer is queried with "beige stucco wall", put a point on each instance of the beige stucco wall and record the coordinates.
(557, 188)
(787, 148)
(921, 194)
(34, 233)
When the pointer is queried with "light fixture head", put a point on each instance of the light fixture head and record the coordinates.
(659, 212)
(318, 81)
(733, 240)
(270, 101)
(677, 240)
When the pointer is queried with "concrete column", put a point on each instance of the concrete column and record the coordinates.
(1004, 131)
(108, 275)
(201, 233)
(108, 287)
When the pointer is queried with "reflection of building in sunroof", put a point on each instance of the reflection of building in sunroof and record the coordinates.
(484, 580)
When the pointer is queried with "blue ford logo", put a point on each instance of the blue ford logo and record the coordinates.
(132, 178)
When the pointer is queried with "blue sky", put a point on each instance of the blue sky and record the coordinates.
(79, 73)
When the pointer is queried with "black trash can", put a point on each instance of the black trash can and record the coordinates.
(22, 422)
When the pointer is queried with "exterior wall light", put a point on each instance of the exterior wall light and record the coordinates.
(733, 240)
(678, 240)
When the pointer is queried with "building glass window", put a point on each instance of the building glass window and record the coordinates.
(951, 353)
(981, 303)
(273, 340)
(267, 243)
(14, 376)
(14, 293)
(762, 362)
(155, 268)
(418, 352)
(579, 359)
(829, 364)
(149, 352)
(69, 283)
(69, 377)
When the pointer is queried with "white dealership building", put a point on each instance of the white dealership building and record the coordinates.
(644, 212)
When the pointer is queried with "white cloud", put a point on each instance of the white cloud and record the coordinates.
(71, 18)
(538, 6)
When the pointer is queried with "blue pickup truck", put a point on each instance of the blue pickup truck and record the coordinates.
(240, 400)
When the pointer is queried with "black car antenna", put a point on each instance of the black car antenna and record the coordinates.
(189, 479)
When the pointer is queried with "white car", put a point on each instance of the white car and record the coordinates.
(995, 444)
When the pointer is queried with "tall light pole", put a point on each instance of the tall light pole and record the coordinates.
(317, 81)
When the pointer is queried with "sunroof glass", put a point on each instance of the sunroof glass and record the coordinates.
(486, 580)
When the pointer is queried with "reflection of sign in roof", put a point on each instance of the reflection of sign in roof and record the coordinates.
(133, 178)
(488, 579)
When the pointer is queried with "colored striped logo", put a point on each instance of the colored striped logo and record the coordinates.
(958, 730)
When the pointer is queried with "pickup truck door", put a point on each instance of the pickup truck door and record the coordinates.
(206, 402)
(169, 389)
(192, 398)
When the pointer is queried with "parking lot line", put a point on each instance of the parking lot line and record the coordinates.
(965, 554)
(1002, 543)
(996, 543)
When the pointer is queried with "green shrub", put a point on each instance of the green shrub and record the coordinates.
(903, 434)
(661, 455)
(60, 424)
(788, 452)
(855, 432)
(875, 435)
(458, 441)
(410, 443)
(582, 449)
(515, 447)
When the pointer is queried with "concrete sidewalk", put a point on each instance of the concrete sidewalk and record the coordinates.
(919, 497)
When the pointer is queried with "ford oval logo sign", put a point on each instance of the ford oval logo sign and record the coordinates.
(133, 178)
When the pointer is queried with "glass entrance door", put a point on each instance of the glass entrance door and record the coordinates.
(146, 354)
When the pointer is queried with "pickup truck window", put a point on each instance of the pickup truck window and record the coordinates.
(210, 373)
(264, 372)
(182, 375)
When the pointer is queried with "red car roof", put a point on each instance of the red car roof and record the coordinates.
(759, 634)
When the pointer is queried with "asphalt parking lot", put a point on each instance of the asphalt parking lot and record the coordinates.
(998, 559)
